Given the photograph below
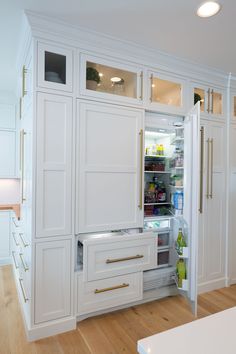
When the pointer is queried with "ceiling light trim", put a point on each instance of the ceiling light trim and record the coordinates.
(208, 9)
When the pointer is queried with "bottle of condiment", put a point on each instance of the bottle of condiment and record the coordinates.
(180, 242)
(181, 272)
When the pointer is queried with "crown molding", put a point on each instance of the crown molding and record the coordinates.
(47, 28)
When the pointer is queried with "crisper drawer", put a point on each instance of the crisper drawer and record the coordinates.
(113, 256)
(103, 294)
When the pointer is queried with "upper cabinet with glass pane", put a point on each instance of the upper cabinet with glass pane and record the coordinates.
(233, 106)
(110, 80)
(211, 100)
(167, 93)
(55, 65)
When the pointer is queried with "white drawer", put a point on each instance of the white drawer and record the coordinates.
(103, 294)
(113, 256)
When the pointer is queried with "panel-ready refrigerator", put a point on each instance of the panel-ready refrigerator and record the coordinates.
(172, 198)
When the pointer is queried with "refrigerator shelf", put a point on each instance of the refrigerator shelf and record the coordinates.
(160, 203)
(185, 283)
(158, 172)
(177, 140)
(185, 254)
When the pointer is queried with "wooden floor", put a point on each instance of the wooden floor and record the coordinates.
(113, 333)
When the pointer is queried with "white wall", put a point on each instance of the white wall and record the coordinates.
(9, 191)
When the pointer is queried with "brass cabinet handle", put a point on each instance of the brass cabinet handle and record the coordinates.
(212, 101)
(201, 168)
(24, 72)
(151, 83)
(141, 86)
(13, 219)
(20, 108)
(98, 291)
(25, 244)
(209, 96)
(23, 262)
(23, 290)
(211, 193)
(22, 164)
(14, 238)
(108, 261)
(208, 167)
(141, 171)
(14, 259)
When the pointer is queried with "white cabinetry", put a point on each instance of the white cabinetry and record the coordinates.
(212, 231)
(8, 140)
(232, 206)
(4, 237)
(54, 165)
(109, 170)
(52, 280)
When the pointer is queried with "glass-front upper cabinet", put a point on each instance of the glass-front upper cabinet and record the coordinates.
(211, 99)
(233, 105)
(110, 80)
(167, 93)
(55, 65)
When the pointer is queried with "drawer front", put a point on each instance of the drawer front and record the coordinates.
(107, 259)
(102, 294)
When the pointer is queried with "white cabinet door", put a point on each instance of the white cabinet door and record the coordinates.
(110, 163)
(54, 165)
(232, 206)
(7, 116)
(52, 280)
(7, 154)
(4, 237)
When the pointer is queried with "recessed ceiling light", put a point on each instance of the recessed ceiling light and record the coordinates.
(116, 79)
(208, 9)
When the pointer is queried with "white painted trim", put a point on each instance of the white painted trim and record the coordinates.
(48, 329)
(5, 261)
(212, 285)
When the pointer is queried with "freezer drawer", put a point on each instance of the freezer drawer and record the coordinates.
(113, 256)
(103, 294)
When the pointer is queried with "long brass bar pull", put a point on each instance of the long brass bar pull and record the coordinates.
(208, 167)
(23, 133)
(98, 291)
(212, 156)
(14, 259)
(23, 290)
(14, 238)
(24, 72)
(25, 244)
(115, 260)
(212, 101)
(23, 262)
(209, 97)
(151, 88)
(201, 169)
(141, 86)
(141, 171)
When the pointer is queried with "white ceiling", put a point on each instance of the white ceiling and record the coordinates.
(168, 25)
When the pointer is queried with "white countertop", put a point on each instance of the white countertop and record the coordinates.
(215, 334)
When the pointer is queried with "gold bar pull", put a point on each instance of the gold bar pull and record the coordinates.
(13, 219)
(23, 133)
(98, 291)
(141, 86)
(14, 238)
(24, 72)
(108, 261)
(20, 108)
(201, 168)
(141, 171)
(25, 244)
(151, 83)
(208, 167)
(23, 262)
(14, 259)
(209, 97)
(211, 193)
(23, 290)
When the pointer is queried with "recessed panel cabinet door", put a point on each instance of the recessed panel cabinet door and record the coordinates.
(109, 172)
(52, 280)
(54, 165)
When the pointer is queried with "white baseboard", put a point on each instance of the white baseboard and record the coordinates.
(52, 328)
(5, 261)
(212, 285)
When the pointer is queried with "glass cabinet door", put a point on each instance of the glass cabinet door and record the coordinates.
(103, 78)
(234, 107)
(216, 102)
(54, 67)
(200, 95)
(166, 91)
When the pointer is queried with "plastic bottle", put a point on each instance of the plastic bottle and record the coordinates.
(161, 150)
(181, 272)
(180, 242)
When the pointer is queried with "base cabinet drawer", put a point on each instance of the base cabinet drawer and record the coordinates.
(118, 256)
(103, 294)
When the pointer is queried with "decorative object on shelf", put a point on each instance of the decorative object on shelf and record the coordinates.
(197, 98)
(53, 77)
(92, 78)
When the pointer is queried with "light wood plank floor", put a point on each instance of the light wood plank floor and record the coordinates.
(113, 333)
